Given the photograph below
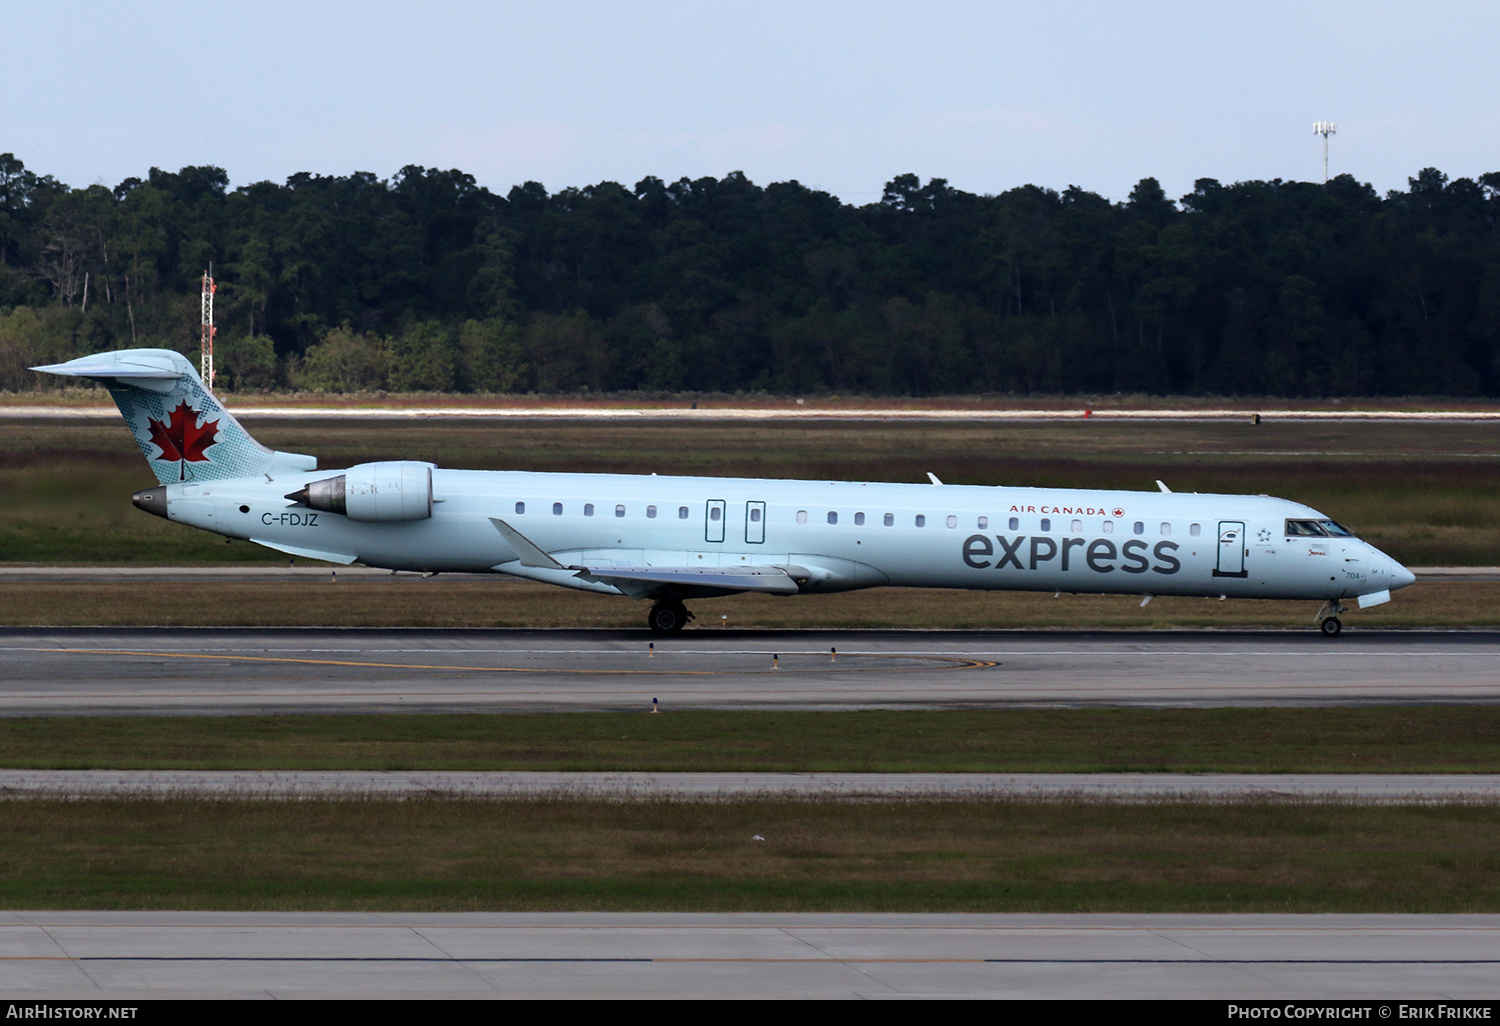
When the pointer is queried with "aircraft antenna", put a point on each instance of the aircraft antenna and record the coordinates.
(1325, 129)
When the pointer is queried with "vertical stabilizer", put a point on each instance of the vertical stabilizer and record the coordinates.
(183, 431)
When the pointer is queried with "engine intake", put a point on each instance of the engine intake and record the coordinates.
(400, 490)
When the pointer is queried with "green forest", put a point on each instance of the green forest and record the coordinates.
(428, 282)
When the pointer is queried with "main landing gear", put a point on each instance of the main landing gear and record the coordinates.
(668, 617)
(1328, 617)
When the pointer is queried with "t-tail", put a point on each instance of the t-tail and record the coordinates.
(183, 431)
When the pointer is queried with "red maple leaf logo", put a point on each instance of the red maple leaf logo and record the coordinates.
(179, 439)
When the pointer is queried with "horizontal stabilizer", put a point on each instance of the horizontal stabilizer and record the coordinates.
(133, 364)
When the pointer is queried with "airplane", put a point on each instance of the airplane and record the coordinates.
(671, 539)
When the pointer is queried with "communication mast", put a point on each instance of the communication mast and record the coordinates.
(207, 358)
(1325, 129)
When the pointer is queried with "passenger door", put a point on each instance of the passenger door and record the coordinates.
(755, 523)
(1231, 549)
(713, 520)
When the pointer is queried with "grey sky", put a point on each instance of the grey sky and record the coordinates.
(841, 96)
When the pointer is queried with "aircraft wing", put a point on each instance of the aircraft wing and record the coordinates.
(773, 580)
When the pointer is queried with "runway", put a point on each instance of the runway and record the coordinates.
(125, 955)
(91, 671)
(1342, 788)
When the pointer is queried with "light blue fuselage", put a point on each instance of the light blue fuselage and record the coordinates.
(998, 538)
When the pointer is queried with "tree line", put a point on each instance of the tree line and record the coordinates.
(427, 281)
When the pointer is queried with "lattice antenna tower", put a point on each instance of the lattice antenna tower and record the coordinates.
(206, 360)
(1325, 129)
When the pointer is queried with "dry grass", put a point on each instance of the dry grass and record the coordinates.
(816, 856)
(1383, 739)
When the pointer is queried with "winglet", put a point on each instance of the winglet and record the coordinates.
(1163, 487)
(933, 478)
(529, 553)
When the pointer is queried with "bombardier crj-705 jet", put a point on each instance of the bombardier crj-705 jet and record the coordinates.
(670, 539)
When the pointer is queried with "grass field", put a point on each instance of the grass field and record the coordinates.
(1405, 739)
(1005, 856)
(463, 601)
(1421, 491)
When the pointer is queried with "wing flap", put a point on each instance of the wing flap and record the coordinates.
(770, 580)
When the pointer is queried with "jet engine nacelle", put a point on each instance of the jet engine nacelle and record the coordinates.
(400, 490)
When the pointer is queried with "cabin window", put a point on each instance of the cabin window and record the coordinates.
(921, 520)
(859, 520)
(755, 515)
(619, 511)
(1015, 523)
(588, 509)
(1046, 524)
(650, 512)
(520, 507)
(682, 513)
(890, 518)
(1139, 528)
(1109, 527)
(802, 516)
(833, 517)
(1195, 530)
(1078, 527)
(984, 522)
(714, 513)
(1166, 528)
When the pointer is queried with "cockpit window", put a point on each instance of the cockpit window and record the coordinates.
(1316, 529)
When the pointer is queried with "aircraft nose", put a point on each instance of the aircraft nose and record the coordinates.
(1400, 576)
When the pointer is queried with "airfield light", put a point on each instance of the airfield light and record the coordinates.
(1325, 129)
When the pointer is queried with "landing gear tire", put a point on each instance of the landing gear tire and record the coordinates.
(668, 617)
(1331, 627)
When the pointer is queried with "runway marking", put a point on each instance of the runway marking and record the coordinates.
(955, 663)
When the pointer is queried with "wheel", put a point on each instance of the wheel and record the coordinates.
(667, 618)
(1331, 627)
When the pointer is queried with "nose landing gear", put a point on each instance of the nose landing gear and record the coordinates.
(668, 617)
(1328, 618)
